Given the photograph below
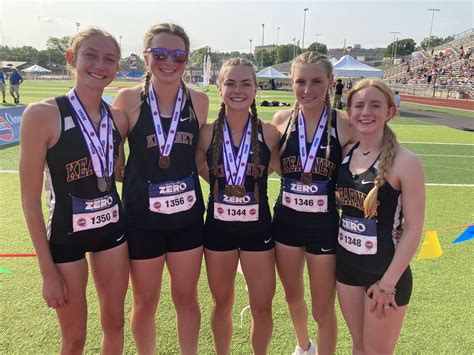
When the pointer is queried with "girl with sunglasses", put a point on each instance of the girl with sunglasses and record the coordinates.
(162, 197)
(60, 135)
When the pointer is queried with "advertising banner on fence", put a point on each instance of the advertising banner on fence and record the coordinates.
(10, 119)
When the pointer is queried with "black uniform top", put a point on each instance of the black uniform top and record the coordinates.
(323, 170)
(70, 173)
(353, 191)
(142, 169)
(264, 209)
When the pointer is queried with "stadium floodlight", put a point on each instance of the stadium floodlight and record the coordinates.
(263, 41)
(304, 27)
(250, 45)
(394, 53)
(278, 32)
(317, 37)
(77, 26)
(431, 28)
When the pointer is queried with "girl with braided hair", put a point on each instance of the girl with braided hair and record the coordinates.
(379, 182)
(162, 196)
(306, 219)
(238, 224)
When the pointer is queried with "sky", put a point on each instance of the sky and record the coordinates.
(230, 25)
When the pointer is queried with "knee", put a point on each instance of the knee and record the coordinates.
(185, 300)
(263, 311)
(294, 297)
(73, 342)
(145, 305)
(323, 315)
(113, 324)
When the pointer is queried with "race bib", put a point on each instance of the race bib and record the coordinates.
(95, 213)
(358, 235)
(236, 209)
(301, 197)
(172, 196)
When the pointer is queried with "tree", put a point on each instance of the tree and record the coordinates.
(264, 58)
(435, 41)
(286, 52)
(197, 56)
(318, 47)
(57, 48)
(404, 47)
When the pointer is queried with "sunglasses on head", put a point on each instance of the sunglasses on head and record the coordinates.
(161, 54)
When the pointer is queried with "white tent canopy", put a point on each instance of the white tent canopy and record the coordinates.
(36, 69)
(348, 67)
(271, 73)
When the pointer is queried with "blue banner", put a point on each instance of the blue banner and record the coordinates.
(10, 119)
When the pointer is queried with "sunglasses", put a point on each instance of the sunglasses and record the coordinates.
(161, 54)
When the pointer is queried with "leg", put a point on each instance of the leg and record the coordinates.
(351, 301)
(12, 93)
(259, 271)
(146, 276)
(110, 271)
(73, 315)
(381, 335)
(290, 265)
(184, 268)
(322, 280)
(221, 268)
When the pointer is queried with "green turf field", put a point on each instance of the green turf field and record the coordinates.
(440, 316)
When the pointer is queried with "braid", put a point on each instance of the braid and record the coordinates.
(389, 150)
(187, 94)
(146, 84)
(293, 118)
(329, 123)
(254, 140)
(216, 144)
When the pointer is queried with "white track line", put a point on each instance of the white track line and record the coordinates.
(445, 155)
(439, 143)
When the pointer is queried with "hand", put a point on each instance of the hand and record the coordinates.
(382, 300)
(55, 291)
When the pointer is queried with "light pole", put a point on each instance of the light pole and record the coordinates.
(250, 46)
(120, 41)
(263, 41)
(317, 37)
(393, 52)
(304, 27)
(278, 32)
(431, 28)
(294, 47)
(77, 26)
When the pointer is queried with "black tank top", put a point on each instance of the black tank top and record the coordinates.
(323, 170)
(264, 209)
(70, 174)
(353, 191)
(142, 169)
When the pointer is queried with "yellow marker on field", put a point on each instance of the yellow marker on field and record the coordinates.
(431, 248)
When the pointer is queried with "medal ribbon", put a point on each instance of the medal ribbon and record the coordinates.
(165, 146)
(99, 144)
(307, 161)
(235, 168)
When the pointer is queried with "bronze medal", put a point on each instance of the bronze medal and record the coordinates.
(234, 190)
(229, 190)
(164, 162)
(101, 184)
(306, 178)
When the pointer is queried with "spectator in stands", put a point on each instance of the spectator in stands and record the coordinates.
(2, 84)
(398, 100)
(338, 94)
(15, 81)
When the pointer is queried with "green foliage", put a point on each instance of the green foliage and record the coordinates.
(404, 47)
(318, 47)
(286, 52)
(58, 47)
(125, 64)
(434, 42)
(263, 59)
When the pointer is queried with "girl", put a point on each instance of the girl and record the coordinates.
(162, 196)
(305, 218)
(238, 216)
(76, 139)
(378, 182)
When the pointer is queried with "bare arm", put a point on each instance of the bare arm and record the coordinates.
(272, 138)
(201, 105)
(121, 123)
(280, 122)
(37, 133)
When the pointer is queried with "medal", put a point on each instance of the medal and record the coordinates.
(165, 145)
(109, 183)
(102, 184)
(235, 190)
(164, 162)
(235, 165)
(307, 160)
(306, 178)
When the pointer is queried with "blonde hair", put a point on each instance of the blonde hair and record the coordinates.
(78, 39)
(216, 144)
(314, 58)
(389, 144)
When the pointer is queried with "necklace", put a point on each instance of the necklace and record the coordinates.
(366, 153)
(360, 164)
